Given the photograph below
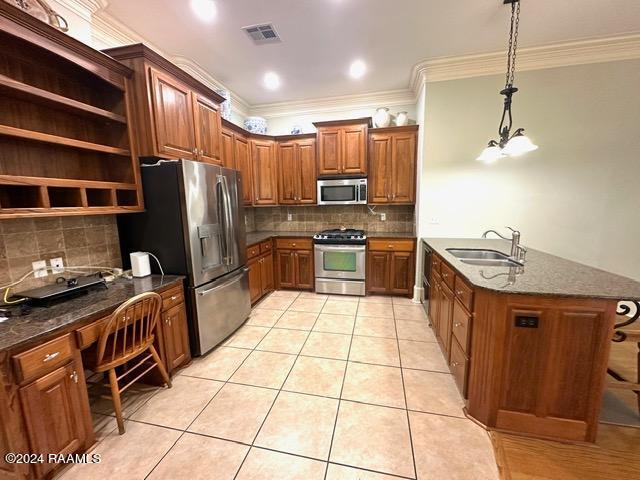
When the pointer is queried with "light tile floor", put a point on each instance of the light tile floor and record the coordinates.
(311, 387)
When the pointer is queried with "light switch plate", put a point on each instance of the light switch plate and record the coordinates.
(383, 217)
(57, 265)
(40, 268)
(289, 217)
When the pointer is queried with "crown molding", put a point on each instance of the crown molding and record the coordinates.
(387, 98)
(598, 50)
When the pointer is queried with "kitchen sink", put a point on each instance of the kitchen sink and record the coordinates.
(485, 258)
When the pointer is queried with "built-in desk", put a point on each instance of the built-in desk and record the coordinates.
(44, 405)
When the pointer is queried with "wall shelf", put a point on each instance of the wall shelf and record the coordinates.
(21, 90)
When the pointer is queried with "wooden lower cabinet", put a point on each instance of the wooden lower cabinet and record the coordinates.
(391, 266)
(260, 270)
(175, 334)
(445, 313)
(56, 414)
(294, 263)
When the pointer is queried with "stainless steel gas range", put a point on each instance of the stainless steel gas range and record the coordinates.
(340, 259)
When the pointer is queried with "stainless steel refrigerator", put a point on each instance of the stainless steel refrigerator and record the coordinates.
(194, 224)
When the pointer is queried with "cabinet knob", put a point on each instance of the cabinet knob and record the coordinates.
(454, 364)
(293, 244)
(74, 376)
(174, 298)
(445, 275)
(459, 293)
(457, 324)
(390, 245)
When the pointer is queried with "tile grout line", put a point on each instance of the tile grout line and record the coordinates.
(344, 377)
(211, 400)
(283, 382)
(404, 391)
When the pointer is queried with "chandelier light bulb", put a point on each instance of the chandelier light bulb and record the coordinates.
(490, 154)
(519, 145)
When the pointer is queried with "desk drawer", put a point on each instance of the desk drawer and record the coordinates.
(294, 243)
(173, 297)
(88, 334)
(391, 245)
(43, 359)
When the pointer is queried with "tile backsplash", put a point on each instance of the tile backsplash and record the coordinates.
(317, 218)
(80, 240)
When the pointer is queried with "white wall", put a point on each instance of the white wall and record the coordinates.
(282, 125)
(578, 196)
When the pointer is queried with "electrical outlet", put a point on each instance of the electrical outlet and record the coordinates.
(383, 217)
(57, 266)
(434, 221)
(289, 217)
(40, 268)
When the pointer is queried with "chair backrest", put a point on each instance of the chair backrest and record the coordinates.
(129, 329)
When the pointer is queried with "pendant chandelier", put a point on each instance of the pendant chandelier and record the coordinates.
(516, 143)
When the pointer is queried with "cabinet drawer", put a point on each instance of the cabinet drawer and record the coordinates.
(447, 275)
(43, 359)
(265, 247)
(88, 334)
(391, 245)
(294, 243)
(464, 293)
(171, 298)
(435, 264)
(253, 251)
(461, 326)
(458, 365)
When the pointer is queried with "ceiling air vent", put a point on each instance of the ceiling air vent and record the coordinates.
(264, 33)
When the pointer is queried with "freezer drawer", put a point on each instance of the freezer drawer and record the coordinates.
(221, 307)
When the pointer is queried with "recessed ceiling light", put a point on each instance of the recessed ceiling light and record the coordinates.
(357, 69)
(204, 9)
(271, 80)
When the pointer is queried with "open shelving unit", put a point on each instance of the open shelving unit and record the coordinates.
(66, 145)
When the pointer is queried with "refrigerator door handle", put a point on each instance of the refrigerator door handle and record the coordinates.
(227, 224)
(235, 279)
(222, 213)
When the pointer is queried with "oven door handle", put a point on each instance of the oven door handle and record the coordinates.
(350, 248)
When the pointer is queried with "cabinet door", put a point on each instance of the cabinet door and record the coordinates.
(354, 150)
(403, 168)
(434, 307)
(173, 117)
(255, 279)
(379, 168)
(304, 269)
(226, 149)
(401, 276)
(266, 273)
(329, 151)
(208, 130)
(307, 172)
(445, 315)
(265, 172)
(54, 407)
(243, 164)
(288, 174)
(378, 270)
(176, 336)
(285, 268)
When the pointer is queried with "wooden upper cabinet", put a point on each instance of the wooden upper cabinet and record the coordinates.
(342, 147)
(297, 171)
(242, 158)
(226, 148)
(173, 117)
(392, 165)
(264, 171)
(208, 130)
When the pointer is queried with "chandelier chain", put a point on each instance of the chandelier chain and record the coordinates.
(513, 43)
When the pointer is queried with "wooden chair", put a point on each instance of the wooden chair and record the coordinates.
(623, 333)
(126, 336)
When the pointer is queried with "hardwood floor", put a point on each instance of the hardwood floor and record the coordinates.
(615, 455)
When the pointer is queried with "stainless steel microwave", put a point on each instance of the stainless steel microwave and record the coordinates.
(342, 191)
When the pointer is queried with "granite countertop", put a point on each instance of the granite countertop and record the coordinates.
(42, 322)
(542, 274)
(257, 237)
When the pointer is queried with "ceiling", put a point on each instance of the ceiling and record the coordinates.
(320, 38)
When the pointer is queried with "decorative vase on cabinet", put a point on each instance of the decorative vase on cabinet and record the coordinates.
(256, 125)
(382, 118)
(402, 119)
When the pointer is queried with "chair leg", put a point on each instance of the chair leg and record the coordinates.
(163, 371)
(115, 395)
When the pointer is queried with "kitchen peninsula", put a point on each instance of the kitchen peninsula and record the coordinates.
(528, 345)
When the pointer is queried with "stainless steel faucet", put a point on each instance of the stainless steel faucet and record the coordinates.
(518, 252)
